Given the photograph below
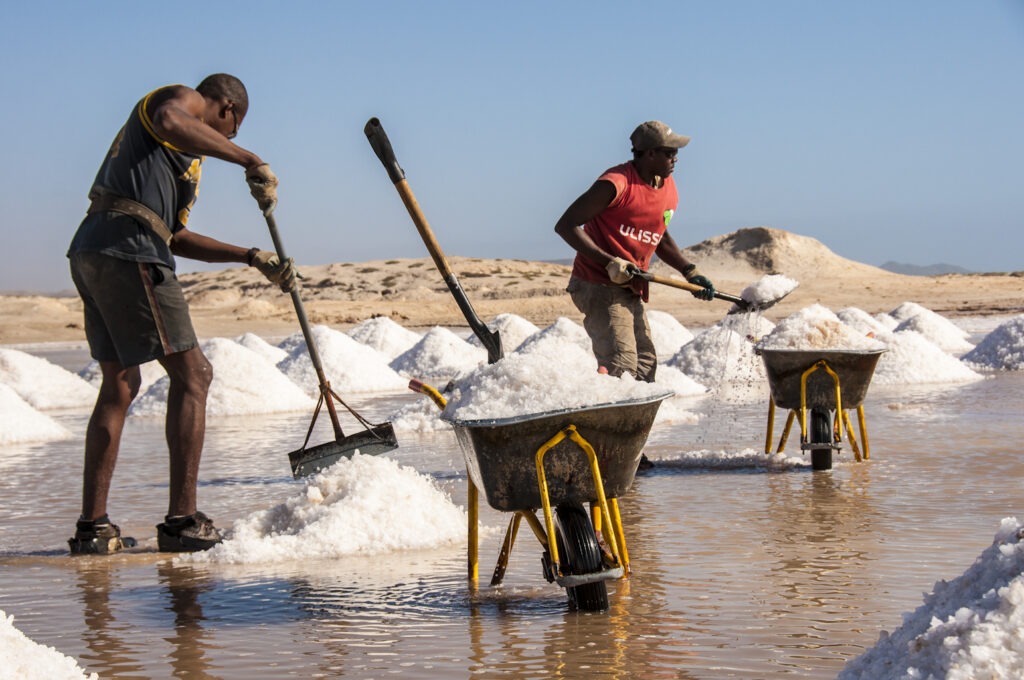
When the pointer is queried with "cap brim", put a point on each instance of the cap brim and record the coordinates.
(677, 141)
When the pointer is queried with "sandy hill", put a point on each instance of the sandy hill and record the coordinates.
(411, 291)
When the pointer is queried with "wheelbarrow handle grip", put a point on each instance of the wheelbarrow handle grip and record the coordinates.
(382, 147)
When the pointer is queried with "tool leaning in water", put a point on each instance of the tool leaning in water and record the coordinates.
(491, 340)
(741, 306)
(375, 439)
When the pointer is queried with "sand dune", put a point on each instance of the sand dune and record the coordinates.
(235, 300)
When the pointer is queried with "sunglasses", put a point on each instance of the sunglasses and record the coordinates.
(667, 152)
(234, 117)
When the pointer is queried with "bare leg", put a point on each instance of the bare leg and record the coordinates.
(190, 374)
(103, 435)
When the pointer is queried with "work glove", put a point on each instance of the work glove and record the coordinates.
(270, 265)
(695, 277)
(263, 187)
(620, 271)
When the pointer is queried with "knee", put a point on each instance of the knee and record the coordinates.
(194, 375)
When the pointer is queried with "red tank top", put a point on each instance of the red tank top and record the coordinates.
(631, 226)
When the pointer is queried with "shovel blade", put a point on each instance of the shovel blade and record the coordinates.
(374, 441)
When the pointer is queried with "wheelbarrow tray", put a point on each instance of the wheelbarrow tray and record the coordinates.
(785, 366)
(501, 453)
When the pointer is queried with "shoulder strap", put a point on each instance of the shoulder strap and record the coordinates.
(112, 203)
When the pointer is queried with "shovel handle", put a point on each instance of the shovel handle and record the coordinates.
(692, 287)
(382, 147)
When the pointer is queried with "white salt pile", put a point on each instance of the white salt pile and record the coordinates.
(939, 330)
(274, 355)
(1003, 348)
(733, 460)
(539, 378)
(366, 505)
(20, 423)
(244, 383)
(564, 329)
(816, 327)
(861, 321)
(767, 289)
(439, 354)
(912, 359)
(886, 321)
(512, 328)
(419, 416)
(349, 366)
(968, 628)
(25, 659)
(719, 356)
(668, 334)
(151, 371)
(748, 325)
(672, 379)
(384, 335)
(42, 384)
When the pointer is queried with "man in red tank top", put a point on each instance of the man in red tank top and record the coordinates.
(624, 218)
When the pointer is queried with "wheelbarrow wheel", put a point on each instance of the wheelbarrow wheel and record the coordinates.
(821, 433)
(580, 554)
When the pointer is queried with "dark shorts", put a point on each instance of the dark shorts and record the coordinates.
(134, 311)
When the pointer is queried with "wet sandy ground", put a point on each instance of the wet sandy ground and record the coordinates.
(740, 573)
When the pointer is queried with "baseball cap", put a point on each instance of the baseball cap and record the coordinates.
(654, 134)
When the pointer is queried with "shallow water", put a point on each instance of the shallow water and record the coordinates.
(741, 573)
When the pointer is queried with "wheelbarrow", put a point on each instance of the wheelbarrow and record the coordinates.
(819, 386)
(561, 460)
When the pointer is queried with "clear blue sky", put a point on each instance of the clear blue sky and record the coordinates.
(886, 130)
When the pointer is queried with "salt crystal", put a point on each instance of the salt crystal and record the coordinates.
(42, 384)
(384, 335)
(513, 330)
(768, 289)
(257, 344)
(562, 328)
(23, 658)
(667, 333)
(817, 328)
(1003, 348)
(20, 423)
(365, 505)
(350, 366)
(439, 354)
(243, 383)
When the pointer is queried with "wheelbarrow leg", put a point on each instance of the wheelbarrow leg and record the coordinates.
(620, 535)
(473, 533)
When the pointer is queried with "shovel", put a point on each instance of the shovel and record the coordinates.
(491, 340)
(374, 440)
(741, 306)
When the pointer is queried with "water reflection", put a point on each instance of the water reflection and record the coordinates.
(110, 653)
(190, 641)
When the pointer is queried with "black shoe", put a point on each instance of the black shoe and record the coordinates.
(98, 537)
(645, 463)
(190, 533)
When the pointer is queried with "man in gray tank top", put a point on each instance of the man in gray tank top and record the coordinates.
(122, 263)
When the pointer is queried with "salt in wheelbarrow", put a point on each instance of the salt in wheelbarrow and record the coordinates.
(819, 386)
(561, 460)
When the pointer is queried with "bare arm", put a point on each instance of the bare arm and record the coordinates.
(585, 208)
(177, 113)
(198, 247)
(670, 254)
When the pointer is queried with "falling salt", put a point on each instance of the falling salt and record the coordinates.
(20, 423)
(966, 628)
(350, 366)
(439, 354)
(1003, 348)
(244, 383)
(817, 328)
(257, 344)
(667, 333)
(513, 329)
(366, 505)
(384, 335)
(717, 357)
(24, 658)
